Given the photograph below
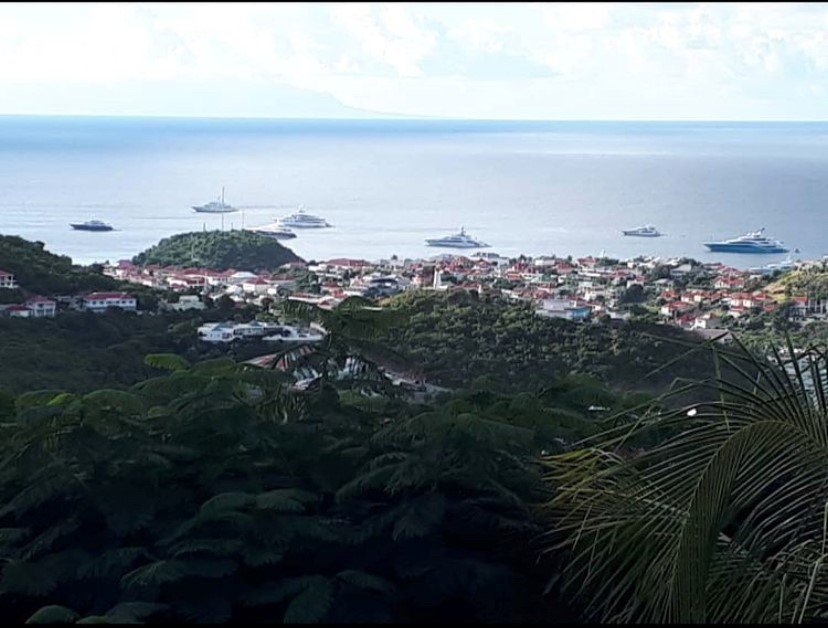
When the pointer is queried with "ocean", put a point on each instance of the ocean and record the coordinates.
(533, 188)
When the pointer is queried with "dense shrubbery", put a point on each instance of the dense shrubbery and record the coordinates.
(455, 337)
(214, 493)
(40, 272)
(242, 250)
(82, 351)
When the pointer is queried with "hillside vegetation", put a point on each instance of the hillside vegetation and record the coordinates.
(454, 338)
(40, 272)
(219, 250)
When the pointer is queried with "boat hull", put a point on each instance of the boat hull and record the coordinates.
(717, 247)
(456, 246)
(201, 210)
(292, 225)
(87, 228)
(642, 235)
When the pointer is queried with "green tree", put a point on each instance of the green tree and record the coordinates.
(724, 522)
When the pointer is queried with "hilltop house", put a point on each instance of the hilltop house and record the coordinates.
(7, 280)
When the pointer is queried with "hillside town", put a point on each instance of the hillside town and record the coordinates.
(707, 298)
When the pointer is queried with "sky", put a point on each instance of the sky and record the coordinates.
(546, 61)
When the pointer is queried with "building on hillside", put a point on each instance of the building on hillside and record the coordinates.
(42, 307)
(681, 270)
(7, 280)
(18, 311)
(217, 332)
(103, 301)
(562, 308)
(229, 331)
(186, 302)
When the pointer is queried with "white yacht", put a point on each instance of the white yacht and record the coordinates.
(460, 240)
(91, 225)
(647, 231)
(215, 207)
(274, 231)
(753, 242)
(302, 220)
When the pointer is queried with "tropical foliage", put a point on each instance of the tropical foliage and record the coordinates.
(41, 272)
(215, 492)
(725, 521)
(453, 338)
(83, 351)
(241, 250)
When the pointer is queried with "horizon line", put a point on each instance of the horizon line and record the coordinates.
(404, 117)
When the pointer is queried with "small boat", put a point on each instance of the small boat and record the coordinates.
(273, 231)
(753, 242)
(647, 231)
(215, 207)
(460, 240)
(91, 225)
(303, 220)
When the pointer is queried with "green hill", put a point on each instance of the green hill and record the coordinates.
(40, 272)
(219, 250)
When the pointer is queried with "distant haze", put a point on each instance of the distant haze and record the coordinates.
(538, 61)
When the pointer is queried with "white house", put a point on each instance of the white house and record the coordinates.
(562, 308)
(256, 286)
(7, 280)
(708, 320)
(240, 277)
(42, 307)
(102, 301)
(229, 331)
(217, 332)
(288, 333)
(186, 302)
(18, 311)
(681, 271)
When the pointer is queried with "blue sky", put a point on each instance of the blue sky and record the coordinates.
(640, 61)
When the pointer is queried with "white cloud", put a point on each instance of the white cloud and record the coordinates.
(480, 34)
(392, 37)
(432, 59)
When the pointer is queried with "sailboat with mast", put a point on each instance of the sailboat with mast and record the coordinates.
(215, 207)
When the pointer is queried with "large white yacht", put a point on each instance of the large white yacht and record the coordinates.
(647, 231)
(460, 240)
(215, 207)
(753, 242)
(302, 220)
(274, 231)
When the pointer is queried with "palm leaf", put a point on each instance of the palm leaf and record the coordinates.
(53, 614)
(725, 521)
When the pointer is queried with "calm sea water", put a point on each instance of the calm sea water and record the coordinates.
(523, 187)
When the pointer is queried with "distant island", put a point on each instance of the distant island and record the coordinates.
(218, 250)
